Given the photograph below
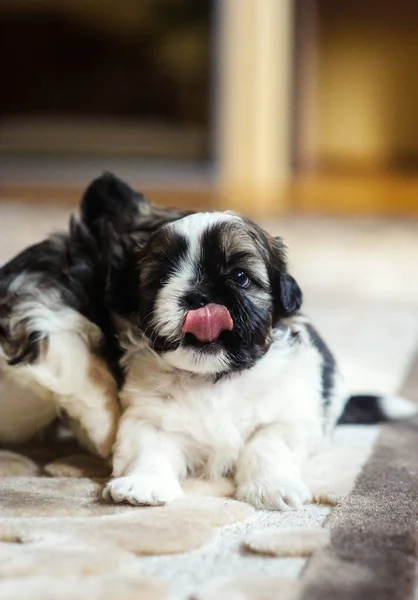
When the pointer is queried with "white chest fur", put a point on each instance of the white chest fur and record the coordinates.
(213, 420)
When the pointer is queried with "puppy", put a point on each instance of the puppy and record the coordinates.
(223, 375)
(58, 346)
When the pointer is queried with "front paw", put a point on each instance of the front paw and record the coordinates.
(143, 489)
(281, 493)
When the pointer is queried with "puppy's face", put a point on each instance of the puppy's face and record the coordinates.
(212, 287)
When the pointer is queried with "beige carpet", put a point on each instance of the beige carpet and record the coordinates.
(372, 553)
(58, 539)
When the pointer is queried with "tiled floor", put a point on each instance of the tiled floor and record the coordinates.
(359, 277)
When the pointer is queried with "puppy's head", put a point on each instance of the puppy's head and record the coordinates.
(212, 287)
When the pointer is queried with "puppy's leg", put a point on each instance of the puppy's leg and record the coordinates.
(267, 473)
(82, 385)
(147, 465)
(25, 408)
(49, 346)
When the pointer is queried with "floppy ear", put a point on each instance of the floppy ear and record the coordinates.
(287, 295)
(110, 201)
(290, 295)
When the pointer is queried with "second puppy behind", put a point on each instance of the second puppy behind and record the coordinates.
(58, 300)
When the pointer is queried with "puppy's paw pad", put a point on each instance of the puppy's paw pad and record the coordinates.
(282, 493)
(143, 490)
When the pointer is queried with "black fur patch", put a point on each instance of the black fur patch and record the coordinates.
(328, 364)
(121, 221)
(363, 409)
(111, 199)
(251, 335)
(156, 263)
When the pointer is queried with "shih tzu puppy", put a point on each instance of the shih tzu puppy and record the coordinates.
(223, 375)
(58, 346)
(194, 318)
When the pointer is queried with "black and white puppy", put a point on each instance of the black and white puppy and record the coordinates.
(56, 350)
(223, 375)
(58, 345)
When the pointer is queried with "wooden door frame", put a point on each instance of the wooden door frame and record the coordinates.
(254, 49)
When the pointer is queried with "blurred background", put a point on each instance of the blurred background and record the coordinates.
(300, 113)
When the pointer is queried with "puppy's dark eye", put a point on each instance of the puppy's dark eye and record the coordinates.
(240, 277)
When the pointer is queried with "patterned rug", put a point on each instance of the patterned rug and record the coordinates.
(372, 553)
(58, 539)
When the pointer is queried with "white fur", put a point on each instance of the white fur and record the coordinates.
(67, 375)
(396, 407)
(25, 407)
(194, 226)
(259, 425)
(197, 362)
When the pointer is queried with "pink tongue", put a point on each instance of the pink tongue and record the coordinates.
(208, 322)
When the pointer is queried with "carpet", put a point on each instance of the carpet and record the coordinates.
(58, 539)
(373, 547)
(372, 552)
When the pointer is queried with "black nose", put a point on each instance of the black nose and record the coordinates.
(196, 300)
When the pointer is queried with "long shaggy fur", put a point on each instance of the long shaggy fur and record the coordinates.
(59, 349)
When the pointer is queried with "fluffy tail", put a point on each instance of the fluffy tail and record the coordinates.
(369, 409)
